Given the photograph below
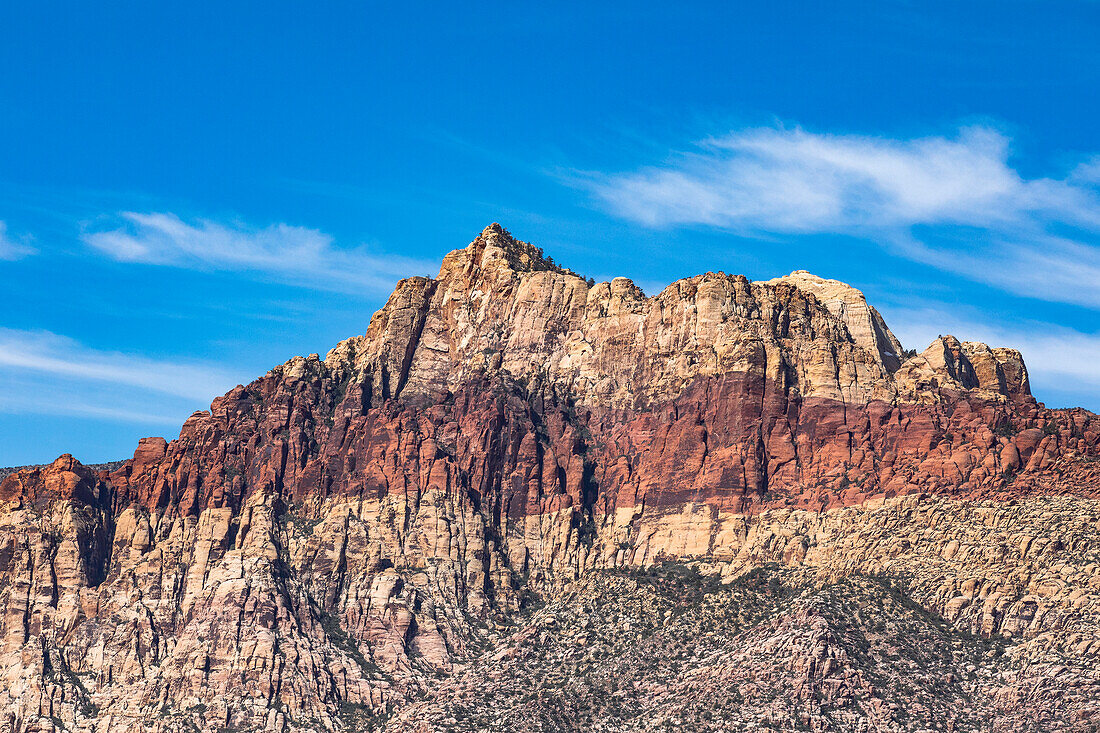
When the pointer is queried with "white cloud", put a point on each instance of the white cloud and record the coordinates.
(31, 399)
(50, 358)
(1087, 172)
(1047, 267)
(10, 248)
(987, 221)
(291, 254)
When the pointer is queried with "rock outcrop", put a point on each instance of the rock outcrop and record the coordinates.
(324, 545)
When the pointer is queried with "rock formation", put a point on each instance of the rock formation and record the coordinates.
(334, 544)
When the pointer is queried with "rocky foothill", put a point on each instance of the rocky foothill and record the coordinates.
(526, 501)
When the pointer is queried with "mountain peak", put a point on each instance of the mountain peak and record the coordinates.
(849, 304)
(496, 248)
(336, 537)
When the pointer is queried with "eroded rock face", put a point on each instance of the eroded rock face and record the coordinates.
(865, 325)
(970, 366)
(326, 543)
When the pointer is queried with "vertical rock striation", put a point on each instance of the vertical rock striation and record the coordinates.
(327, 540)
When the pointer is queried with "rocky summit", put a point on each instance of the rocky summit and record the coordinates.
(526, 501)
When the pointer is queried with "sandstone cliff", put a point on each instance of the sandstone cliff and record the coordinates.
(324, 545)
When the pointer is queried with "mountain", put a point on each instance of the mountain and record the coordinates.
(526, 501)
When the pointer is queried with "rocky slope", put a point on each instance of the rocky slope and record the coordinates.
(668, 649)
(352, 542)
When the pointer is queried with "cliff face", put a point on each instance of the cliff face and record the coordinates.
(326, 543)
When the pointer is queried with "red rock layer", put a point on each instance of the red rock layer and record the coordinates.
(328, 533)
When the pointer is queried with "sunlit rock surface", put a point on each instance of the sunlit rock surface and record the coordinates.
(366, 540)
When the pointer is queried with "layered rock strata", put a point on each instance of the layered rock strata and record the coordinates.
(325, 543)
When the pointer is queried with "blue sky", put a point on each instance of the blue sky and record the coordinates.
(189, 197)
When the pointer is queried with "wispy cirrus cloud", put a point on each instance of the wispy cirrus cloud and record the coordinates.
(45, 352)
(290, 254)
(21, 396)
(1043, 265)
(43, 372)
(953, 202)
(12, 248)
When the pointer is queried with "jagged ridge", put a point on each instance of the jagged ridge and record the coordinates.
(323, 542)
